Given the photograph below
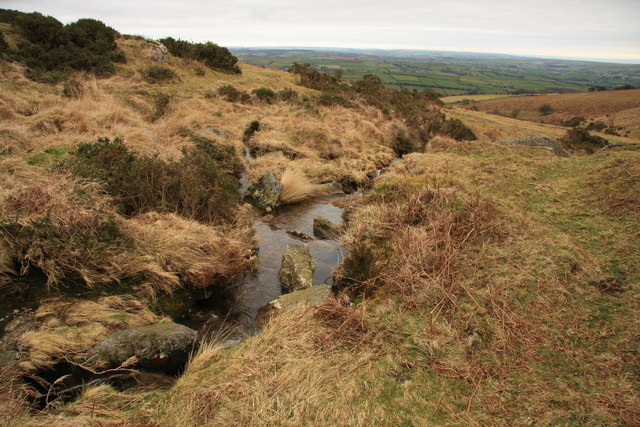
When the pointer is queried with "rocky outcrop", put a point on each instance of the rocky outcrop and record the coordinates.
(325, 229)
(315, 295)
(538, 141)
(265, 193)
(161, 346)
(296, 270)
(159, 52)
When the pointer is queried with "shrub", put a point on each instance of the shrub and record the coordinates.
(210, 54)
(545, 109)
(158, 74)
(231, 94)
(4, 47)
(456, 129)
(330, 99)
(87, 45)
(580, 140)
(287, 95)
(264, 94)
(195, 186)
(572, 122)
(597, 126)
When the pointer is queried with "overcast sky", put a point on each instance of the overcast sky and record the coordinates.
(593, 29)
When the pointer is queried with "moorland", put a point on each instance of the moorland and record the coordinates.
(478, 282)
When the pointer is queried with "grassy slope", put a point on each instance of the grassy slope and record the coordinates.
(622, 107)
(543, 235)
(503, 242)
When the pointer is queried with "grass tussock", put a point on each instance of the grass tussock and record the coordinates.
(67, 329)
(70, 231)
(296, 187)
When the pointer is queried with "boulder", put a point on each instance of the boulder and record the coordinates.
(325, 229)
(160, 346)
(265, 193)
(315, 295)
(296, 270)
(159, 51)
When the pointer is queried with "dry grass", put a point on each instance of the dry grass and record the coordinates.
(68, 328)
(168, 252)
(287, 374)
(296, 187)
(617, 106)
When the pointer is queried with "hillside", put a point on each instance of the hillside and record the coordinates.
(470, 282)
(616, 109)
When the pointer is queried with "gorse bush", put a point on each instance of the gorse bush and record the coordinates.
(158, 74)
(195, 186)
(231, 94)
(265, 94)
(48, 45)
(210, 54)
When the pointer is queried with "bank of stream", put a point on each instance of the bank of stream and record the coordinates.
(287, 225)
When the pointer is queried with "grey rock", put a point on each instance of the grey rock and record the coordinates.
(265, 193)
(538, 141)
(325, 229)
(161, 346)
(296, 270)
(315, 295)
(159, 51)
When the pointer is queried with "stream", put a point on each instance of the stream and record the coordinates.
(274, 233)
(287, 225)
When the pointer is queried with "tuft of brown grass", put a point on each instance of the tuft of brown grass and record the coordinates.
(68, 328)
(296, 187)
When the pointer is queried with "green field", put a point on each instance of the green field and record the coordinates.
(450, 74)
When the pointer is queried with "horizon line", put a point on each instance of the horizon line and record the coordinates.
(622, 61)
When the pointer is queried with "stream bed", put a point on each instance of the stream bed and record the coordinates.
(273, 232)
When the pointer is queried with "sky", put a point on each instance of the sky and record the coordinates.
(580, 29)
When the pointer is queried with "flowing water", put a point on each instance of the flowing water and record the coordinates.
(273, 232)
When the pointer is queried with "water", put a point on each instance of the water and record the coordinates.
(263, 285)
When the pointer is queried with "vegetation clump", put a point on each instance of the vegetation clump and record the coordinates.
(580, 140)
(158, 74)
(197, 186)
(265, 94)
(231, 94)
(209, 54)
(47, 46)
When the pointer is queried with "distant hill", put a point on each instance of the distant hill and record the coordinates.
(453, 73)
(615, 111)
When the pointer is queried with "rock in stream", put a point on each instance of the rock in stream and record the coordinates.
(265, 193)
(315, 295)
(296, 270)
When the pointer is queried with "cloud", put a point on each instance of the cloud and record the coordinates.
(543, 27)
